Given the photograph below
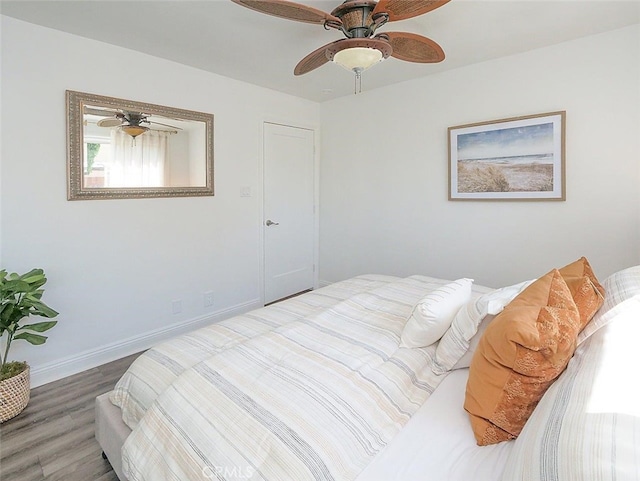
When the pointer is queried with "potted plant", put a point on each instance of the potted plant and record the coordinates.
(20, 297)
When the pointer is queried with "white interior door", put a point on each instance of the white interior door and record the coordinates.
(289, 218)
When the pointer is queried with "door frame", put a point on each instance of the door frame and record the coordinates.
(316, 197)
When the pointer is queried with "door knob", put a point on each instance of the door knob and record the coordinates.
(270, 223)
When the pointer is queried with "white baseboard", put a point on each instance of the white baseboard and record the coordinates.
(52, 371)
(322, 283)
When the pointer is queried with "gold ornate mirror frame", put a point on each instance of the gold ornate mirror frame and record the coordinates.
(188, 133)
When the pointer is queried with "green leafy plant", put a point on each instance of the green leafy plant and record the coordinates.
(20, 297)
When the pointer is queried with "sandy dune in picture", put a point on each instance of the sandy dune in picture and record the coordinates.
(510, 159)
(504, 176)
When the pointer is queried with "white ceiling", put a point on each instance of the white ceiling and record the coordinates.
(221, 37)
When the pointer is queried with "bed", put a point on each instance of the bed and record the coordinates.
(328, 385)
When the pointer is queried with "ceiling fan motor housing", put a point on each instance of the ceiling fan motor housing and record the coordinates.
(134, 118)
(358, 20)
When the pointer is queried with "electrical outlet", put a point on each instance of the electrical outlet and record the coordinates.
(208, 299)
(176, 306)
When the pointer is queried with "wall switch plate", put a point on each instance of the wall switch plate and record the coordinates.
(245, 191)
(176, 306)
(208, 299)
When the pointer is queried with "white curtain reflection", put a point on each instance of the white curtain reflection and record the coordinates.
(137, 162)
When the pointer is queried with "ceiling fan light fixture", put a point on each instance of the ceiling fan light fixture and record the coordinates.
(134, 130)
(358, 58)
(359, 54)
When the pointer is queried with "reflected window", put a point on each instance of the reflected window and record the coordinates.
(131, 149)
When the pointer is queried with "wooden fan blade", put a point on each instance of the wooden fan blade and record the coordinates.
(403, 9)
(315, 59)
(290, 11)
(101, 111)
(164, 125)
(110, 122)
(413, 48)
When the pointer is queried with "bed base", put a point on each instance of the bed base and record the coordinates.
(111, 433)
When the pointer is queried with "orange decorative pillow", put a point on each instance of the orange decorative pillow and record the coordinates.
(523, 350)
(585, 289)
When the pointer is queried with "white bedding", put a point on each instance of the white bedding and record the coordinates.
(256, 403)
(365, 409)
(439, 430)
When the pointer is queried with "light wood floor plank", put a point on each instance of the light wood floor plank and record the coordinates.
(53, 438)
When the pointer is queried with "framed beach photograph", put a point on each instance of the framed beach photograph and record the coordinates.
(520, 158)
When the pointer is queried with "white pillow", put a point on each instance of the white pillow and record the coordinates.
(618, 287)
(433, 314)
(456, 340)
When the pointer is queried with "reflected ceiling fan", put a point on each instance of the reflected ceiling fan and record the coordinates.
(358, 20)
(129, 122)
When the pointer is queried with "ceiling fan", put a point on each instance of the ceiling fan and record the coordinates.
(358, 20)
(129, 122)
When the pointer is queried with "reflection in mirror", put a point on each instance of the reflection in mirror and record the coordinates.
(123, 149)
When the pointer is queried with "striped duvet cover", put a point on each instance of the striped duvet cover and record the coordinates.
(152, 373)
(308, 389)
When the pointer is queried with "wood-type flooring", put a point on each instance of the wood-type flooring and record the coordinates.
(53, 438)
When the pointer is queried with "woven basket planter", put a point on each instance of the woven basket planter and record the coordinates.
(14, 395)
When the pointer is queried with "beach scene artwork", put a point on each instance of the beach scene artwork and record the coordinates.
(506, 160)
(519, 159)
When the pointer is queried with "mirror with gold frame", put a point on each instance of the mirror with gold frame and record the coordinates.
(120, 149)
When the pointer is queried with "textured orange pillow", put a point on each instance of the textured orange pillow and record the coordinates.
(523, 350)
(587, 292)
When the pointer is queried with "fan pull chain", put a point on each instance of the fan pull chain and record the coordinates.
(357, 88)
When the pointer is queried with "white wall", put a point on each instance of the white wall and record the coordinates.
(115, 266)
(384, 204)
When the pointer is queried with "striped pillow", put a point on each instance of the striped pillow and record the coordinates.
(464, 332)
(619, 287)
